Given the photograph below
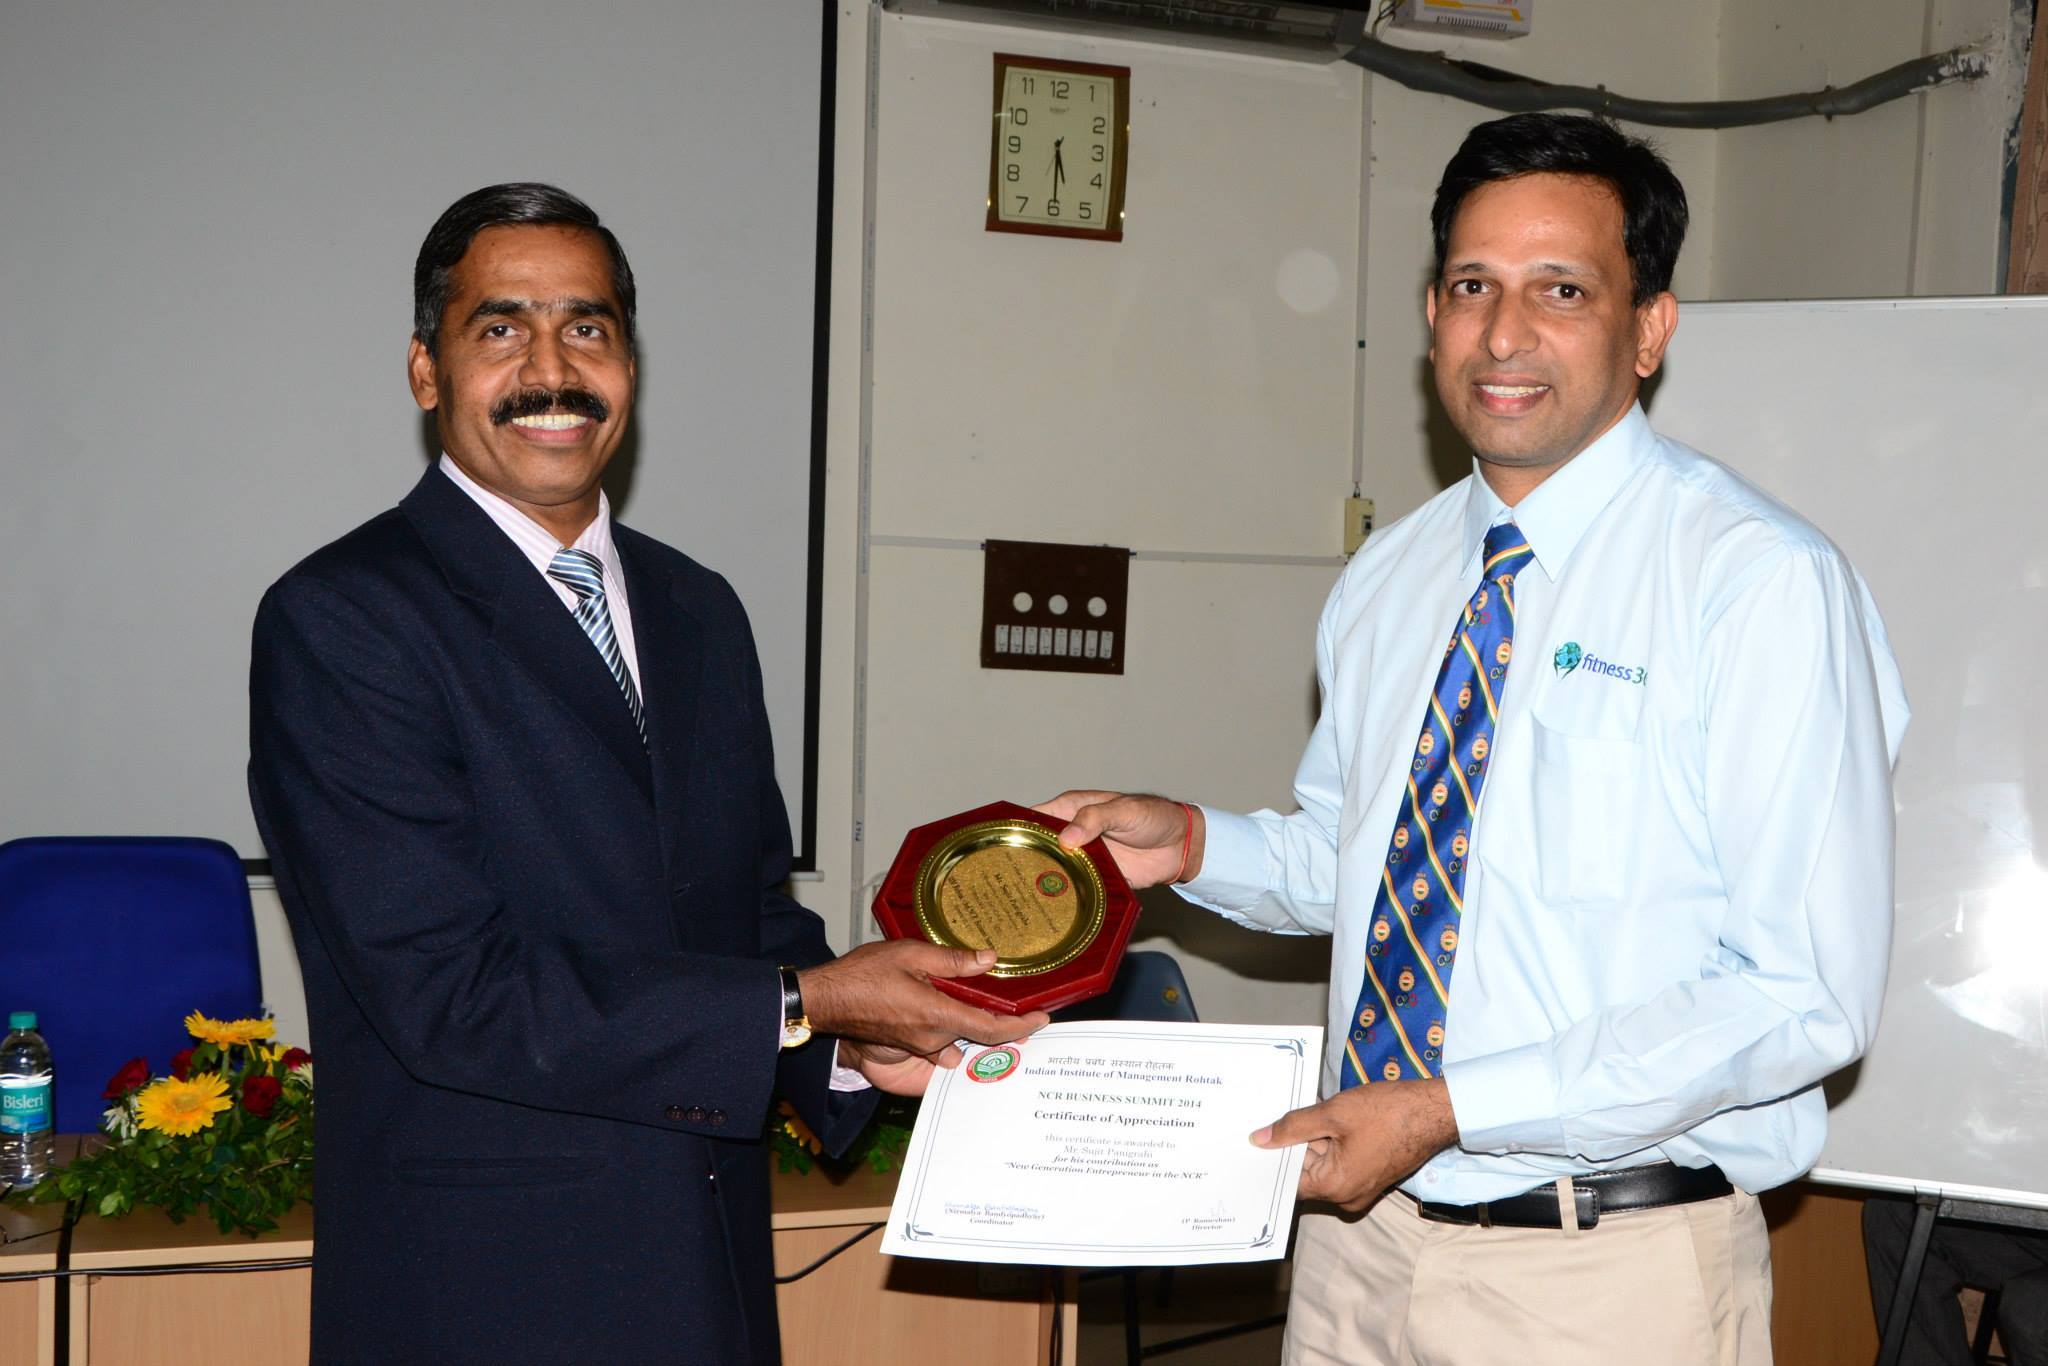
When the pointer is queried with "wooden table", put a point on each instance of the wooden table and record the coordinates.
(259, 1315)
(864, 1307)
(230, 1300)
(28, 1308)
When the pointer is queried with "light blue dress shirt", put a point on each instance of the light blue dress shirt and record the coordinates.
(1679, 904)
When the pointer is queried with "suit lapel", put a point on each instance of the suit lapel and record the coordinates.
(528, 622)
(670, 645)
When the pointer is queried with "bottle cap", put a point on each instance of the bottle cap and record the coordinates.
(22, 1019)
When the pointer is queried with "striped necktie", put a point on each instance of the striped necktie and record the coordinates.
(1397, 1027)
(583, 572)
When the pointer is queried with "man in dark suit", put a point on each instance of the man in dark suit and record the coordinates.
(512, 766)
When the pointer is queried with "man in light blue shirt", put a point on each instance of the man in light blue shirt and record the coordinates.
(1651, 908)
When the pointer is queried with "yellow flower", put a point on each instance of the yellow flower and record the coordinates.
(182, 1107)
(228, 1033)
(797, 1129)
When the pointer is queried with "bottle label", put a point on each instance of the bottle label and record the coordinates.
(24, 1104)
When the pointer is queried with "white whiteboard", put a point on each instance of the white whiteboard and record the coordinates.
(207, 234)
(1915, 434)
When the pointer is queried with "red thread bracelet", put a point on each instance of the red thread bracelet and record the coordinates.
(1187, 843)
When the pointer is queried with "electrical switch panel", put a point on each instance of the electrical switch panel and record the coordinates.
(1054, 607)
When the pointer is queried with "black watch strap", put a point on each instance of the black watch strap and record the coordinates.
(796, 1026)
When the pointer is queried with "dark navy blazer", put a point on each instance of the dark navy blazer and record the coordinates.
(540, 957)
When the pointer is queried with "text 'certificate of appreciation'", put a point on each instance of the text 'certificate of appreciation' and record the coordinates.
(1108, 1143)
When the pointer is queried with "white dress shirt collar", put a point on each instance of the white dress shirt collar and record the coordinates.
(535, 541)
(539, 546)
(1556, 513)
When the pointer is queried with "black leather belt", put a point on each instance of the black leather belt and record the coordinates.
(1650, 1187)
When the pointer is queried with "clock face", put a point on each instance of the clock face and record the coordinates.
(1057, 162)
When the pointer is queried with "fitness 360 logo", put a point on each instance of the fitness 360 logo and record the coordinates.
(1570, 658)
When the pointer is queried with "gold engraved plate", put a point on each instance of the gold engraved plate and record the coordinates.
(1009, 886)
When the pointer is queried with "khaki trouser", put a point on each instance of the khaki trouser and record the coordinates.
(1686, 1285)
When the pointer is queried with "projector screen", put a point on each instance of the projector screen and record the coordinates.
(207, 240)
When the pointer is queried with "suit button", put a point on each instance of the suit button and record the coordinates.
(696, 1115)
(718, 1119)
(674, 1112)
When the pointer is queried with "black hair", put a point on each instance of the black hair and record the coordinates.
(1653, 209)
(521, 202)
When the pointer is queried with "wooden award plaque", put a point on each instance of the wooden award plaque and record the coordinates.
(996, 877)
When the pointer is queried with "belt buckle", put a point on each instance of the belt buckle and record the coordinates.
(1484, 1211)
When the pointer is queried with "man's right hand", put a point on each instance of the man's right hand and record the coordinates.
(883, 993)
(1147, 835)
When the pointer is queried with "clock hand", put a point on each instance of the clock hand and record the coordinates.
(1059, 167)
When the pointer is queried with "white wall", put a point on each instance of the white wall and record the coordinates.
(1207, 362)
(284, 991)
(207, 233)
(1903, 199)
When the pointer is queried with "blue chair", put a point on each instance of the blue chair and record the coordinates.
(1148, 986)
(112, 942)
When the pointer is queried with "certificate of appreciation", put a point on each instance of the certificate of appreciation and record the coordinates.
(1108, 1143)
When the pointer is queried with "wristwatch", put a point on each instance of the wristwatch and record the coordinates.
(796, 1026)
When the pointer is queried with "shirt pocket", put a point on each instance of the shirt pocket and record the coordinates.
(1588, 787)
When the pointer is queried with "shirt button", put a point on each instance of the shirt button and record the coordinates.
(674, 1112)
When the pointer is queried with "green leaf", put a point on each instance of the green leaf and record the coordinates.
(246, 1170)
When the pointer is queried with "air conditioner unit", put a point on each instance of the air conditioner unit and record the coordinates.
(1465, 18)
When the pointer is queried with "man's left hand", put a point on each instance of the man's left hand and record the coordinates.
(895, 1070)
(1362, 1141)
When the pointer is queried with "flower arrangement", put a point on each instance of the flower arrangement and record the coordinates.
(230, 1128)
(880, 1145)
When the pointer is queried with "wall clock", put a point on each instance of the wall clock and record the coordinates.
(1056, 157)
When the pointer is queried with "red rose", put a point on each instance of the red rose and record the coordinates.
(133, 1073)
(294, 1056)
(181, 1063)
(260, 1093)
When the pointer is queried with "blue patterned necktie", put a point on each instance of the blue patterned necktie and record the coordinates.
(1397, 1027)
(583, 572)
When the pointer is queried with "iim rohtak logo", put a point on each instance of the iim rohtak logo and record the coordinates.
(1567, 657)
(993, 1064)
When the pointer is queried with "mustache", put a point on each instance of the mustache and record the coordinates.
(534, 402)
